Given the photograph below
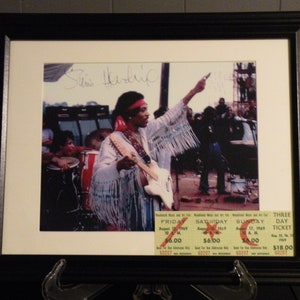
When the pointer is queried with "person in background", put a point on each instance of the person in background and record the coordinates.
(230, 127)
(62, 147)
(250, 87)
(47, 136)
(210, 151)
(251, 113)
(221, 108)
(96, 137)
(242, 86)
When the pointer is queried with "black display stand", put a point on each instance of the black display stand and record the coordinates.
(52, 289)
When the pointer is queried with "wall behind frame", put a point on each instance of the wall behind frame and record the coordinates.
(145, 6)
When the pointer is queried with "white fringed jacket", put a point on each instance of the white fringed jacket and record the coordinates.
(118, 198)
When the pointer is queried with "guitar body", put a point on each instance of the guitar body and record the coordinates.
(159, 179)
(161, 187)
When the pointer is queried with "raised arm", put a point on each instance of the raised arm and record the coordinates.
(199, 87)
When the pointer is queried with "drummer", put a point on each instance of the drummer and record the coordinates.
(96, 137)
(63, 146)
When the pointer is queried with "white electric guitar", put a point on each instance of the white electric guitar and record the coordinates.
(159, 180)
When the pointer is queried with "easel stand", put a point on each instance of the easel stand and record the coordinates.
(52, 289)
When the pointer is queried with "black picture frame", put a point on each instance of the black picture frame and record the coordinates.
(83, 27)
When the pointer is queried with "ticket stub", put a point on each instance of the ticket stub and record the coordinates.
(233, 233)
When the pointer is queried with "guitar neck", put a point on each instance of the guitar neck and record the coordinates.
(141, 165)
(146, 169)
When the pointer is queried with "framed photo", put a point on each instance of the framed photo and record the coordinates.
(237, 200)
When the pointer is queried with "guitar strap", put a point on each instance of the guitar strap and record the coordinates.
(137, 146)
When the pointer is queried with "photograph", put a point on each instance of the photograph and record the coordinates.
(120, 141)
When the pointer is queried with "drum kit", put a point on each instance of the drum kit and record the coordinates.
(68, 190)
(87, 160)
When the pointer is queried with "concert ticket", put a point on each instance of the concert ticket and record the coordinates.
(234, 233)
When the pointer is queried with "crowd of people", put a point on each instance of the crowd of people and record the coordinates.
(216, 128)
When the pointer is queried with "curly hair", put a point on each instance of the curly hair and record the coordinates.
(61, 138)
(125, 101)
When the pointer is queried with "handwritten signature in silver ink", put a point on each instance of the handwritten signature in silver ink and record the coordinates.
(78, 77)
(139, 75)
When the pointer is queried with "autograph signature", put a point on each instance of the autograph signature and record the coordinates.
(141, 75)
(78, 77)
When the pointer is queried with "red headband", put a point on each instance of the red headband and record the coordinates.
(120, 124)
(137, 104)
